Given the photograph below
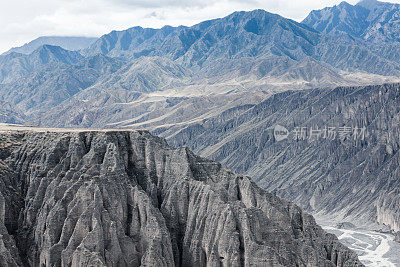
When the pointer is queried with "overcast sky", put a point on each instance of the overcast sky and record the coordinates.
(24, 20)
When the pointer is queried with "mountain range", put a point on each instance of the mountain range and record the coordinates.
(353, 179)
(221, 86)
(246, 51)
(369, 20)
(68, 43)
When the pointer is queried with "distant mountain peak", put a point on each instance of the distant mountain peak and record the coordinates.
(344, 4)
(47, 53)
(68, 43)
(239, 34)
(370, 20)
(256, 13)
(49, 49)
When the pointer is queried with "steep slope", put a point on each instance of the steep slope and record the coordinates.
(241, 34)
(350, 180)
(10, 114)
(384, 21)
(15, 66)
(251, 34)
(243, 52)
(340, 19)
(356, 57)
(370, 20)
(255, 35)
(68, 43)
(39, 91)
(126, 198)
(136, 42)
(148, 74)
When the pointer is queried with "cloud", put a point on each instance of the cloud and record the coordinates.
(171, 3)
(24, 20)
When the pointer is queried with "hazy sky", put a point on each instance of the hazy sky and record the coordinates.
(23, 20)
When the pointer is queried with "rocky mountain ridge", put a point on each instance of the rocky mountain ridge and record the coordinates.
(125, 198)
(65, 42)
(371, 20)
(351, 180)
(243, 52)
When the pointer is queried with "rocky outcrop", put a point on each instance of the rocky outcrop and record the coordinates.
(15, 66)
(125, 198)
(397, 237)
(54, 81)
(353, 179)
(371, 20)
(388, 209)
(10, 114)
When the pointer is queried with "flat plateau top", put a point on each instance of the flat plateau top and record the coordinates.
(6, 127)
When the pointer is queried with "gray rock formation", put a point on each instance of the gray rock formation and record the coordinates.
(388, 208)
(371, 20)
(213, 87)
(352, 180)
(42, 88)
(254, 35)
(241, 34)
(397, 237)
(15, 66)
(125, 198)
(346, 225)
(10, 114)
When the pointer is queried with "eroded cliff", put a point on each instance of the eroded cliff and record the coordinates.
(125, 198)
